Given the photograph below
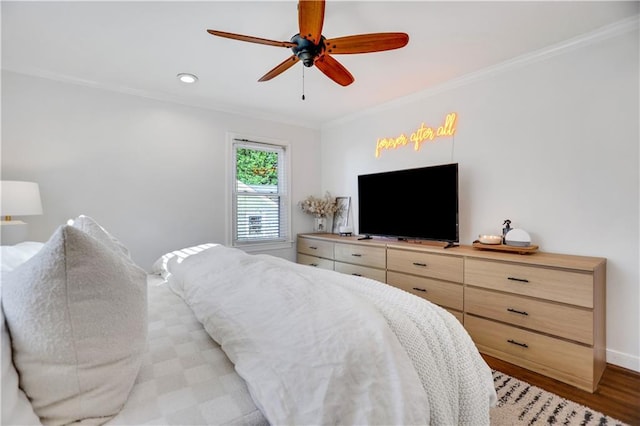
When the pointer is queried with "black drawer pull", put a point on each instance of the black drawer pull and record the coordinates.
(356, 254)
(419, 289)
(517, 312)
(357, 275)
(313, 248)
(424, 265)
(524, 345)
(522, 280)
(313, 264)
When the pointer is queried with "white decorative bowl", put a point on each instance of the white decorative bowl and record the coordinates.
(490, 239)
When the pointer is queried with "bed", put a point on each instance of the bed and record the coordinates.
(218, 336)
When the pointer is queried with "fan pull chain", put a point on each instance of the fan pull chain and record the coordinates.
(303, 83)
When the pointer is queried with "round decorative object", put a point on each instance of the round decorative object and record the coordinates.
(518, 238)
(490, 239)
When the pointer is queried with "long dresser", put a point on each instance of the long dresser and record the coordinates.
(541, 311)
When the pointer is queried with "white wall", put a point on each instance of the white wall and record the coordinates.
(152, 173)
(549, 141)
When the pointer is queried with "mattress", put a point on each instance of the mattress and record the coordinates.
(185, 377)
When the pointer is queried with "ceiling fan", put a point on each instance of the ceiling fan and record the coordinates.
(312, 48)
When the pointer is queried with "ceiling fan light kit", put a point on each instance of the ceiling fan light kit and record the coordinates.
(312, 48)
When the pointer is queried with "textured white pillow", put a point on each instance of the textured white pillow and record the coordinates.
(93, 228)
(77, 315)
(16, 408)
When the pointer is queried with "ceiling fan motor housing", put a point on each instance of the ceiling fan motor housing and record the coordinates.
(306, 50)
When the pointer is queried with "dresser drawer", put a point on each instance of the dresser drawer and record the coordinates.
(439, 292)
(318, 262)
(361, 271)
(564, 360)
(315, 247)
(361, 255)
(560, 320)
(426, 264)
(565, 286)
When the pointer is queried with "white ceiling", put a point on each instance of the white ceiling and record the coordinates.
(140, 46)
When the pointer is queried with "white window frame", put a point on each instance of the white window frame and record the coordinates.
(286, 242)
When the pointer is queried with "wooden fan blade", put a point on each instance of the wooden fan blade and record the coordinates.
(279, 69)
(311, 19)
(334, 70)
(366, 43)
(252, 39)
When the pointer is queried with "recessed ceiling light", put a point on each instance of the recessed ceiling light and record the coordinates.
(187, 78)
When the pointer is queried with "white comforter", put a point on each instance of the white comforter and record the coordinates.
(320, 347)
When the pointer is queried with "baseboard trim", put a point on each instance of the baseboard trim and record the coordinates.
(621, 359)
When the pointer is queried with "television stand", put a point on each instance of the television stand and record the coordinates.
(450, 244)
(366, 237)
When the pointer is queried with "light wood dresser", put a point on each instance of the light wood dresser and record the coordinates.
(541, 311)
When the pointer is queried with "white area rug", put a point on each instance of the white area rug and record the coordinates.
(520, 403)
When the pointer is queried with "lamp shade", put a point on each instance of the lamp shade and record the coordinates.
(20, 198)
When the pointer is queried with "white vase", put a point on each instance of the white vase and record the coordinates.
(320, 224)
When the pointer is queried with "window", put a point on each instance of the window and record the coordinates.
(260, 193)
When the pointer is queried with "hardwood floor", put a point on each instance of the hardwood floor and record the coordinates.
(618, 394)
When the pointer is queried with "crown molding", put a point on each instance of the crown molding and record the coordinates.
(609, 31)
(613, 30)
(164, 97)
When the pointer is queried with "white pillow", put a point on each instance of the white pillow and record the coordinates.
(93, 228)
(12, 256)
(165, 263)
(77, 315)
(16, 408)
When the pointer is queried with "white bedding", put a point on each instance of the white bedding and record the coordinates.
(186, 377)
(317, 347)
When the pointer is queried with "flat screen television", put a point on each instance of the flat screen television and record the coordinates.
(420, 203)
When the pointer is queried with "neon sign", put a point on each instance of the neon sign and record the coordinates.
(421, 135)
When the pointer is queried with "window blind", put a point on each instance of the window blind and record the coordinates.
(260, 198)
